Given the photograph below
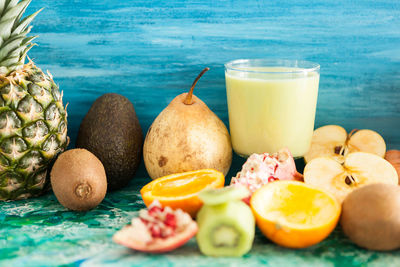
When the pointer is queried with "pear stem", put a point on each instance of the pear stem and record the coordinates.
(188, 100)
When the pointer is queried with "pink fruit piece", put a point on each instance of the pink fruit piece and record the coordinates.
(157, 229)
(260, 169)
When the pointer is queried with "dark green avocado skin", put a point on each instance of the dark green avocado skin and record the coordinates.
(112, 132)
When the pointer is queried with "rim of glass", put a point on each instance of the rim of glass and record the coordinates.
(302, 65)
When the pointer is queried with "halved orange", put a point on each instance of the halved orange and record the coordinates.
(294, 214)
(180, 190)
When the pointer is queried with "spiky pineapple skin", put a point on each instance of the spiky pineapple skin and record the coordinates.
(33, 131)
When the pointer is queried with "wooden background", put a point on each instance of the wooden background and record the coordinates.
(150, 51)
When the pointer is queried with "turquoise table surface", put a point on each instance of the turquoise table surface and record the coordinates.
(150, 51)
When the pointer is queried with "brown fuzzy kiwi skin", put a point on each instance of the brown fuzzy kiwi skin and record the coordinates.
(78, 180)
(371, 217)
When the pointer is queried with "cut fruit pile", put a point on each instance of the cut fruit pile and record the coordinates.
(180, 191)
(293, 214)
(265, 192)
(157, 230)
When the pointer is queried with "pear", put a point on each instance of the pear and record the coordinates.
(187, 136)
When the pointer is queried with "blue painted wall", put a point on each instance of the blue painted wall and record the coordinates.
(150, 51)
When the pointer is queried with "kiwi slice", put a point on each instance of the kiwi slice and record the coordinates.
(212, 196)
(225, 229)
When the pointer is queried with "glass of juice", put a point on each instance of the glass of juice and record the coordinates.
(271, 104)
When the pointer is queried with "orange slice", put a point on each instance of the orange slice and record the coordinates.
(294, 214)
(180, 190)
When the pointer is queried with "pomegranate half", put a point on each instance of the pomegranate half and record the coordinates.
(157, 229)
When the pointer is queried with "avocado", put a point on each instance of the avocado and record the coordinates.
(111, 131)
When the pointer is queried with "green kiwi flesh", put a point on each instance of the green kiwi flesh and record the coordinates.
(217, 196)
(226, 229)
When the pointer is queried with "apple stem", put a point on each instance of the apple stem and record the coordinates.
(352, 132)
(188, 100)
(348, 139)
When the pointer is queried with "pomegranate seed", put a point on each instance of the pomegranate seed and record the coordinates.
(167, 232)
(155, 231)
(146, 222)
(252, 169)
(154, 210)
(170, 220)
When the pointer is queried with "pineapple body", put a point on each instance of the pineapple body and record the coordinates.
(33, 121)
(33, 130)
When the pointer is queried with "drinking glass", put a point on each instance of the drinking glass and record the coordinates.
(271, 104)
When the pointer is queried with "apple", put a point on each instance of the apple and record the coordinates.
(334, 142)
(393, 156)
(358, 169)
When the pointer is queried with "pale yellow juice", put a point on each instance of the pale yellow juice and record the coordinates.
(269, 111)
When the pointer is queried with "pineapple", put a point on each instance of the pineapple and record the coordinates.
(33, 120)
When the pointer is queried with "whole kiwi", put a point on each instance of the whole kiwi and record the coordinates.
(371, 217)
(78, 180)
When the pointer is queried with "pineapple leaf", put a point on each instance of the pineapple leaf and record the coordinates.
(25, 52)
(21, 13)
(5, 28)
(28, 39)
(16, 52)
(13, 12)
(21, 26)
(10, 61)
(15, 66)
(19, 49)
(26, 31)
(14, 42)
(10, 45)
(10, 4)
(3, 4)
